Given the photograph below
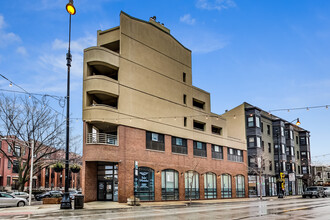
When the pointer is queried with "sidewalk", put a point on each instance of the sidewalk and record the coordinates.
(99, 205)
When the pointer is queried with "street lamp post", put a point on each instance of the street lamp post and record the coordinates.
(66, 201)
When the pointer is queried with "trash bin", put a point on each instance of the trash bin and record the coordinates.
(79, 201)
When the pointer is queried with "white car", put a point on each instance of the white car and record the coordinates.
(7, 200)
(23, 195)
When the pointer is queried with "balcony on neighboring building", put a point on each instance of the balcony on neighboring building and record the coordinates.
(101, 133)
(102, 69)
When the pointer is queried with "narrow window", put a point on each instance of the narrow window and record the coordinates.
(185, 121)
(184, 77)
(250, 121)
(184, 99)
(268, 129)
(269, 147)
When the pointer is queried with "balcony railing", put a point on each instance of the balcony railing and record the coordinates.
(102, 138)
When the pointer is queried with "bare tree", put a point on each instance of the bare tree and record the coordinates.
(191, 176)
(26, 123)
(258, 168)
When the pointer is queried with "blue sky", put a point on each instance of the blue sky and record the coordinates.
(273, 54)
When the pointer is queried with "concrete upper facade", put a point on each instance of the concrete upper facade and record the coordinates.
(140, 76)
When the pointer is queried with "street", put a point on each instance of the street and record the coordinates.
(297, 208)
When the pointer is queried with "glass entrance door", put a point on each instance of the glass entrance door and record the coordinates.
(107, 187)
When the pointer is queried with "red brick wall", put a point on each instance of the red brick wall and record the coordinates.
(132, 147)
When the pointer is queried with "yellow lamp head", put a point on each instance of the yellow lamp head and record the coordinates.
(298, 122)
(70, 8)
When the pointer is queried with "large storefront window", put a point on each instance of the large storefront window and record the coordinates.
(300, 186)
(144, 184)
(225, 186)
(240, 186)
(170, 185)
(210, 185)
(191, 185)
(272, 186)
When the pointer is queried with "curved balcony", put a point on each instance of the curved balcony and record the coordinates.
(101, 83)
(101, 55)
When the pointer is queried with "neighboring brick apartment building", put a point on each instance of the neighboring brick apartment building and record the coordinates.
(147, 131)
(265, 132)
(45, 179)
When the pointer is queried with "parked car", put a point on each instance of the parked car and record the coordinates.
(326, 191)
(23, 195)
(49, 194)
(313, 191)
(7, 200)
(73, 193)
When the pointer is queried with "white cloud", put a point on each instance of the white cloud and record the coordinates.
(7, 38)
(215, 4)
(77, 46)
(187, 19)
(21, 50)
(203, 42)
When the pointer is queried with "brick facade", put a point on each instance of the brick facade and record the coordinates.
(132, 147)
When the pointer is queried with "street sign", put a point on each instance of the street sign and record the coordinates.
(292, 177)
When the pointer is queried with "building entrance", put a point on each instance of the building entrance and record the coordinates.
(107, 181)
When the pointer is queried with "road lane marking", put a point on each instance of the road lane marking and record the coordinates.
(290, 210)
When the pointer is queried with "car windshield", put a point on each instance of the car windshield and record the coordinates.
(326, 188)
(311, 189)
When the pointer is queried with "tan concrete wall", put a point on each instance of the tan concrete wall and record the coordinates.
(150, 86)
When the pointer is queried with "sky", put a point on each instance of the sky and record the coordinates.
(274, 54)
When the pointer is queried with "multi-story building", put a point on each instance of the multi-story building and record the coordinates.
(321, 175)
(44, 179)
(275, 146)
(148, 131)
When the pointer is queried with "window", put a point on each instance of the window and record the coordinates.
(262, 127)
(268, 129)
(216, 130)
(269, 147)
(9, 164)
(185, 121)
(199, 149)
(0, 144)
(217, 152)
(307, 140)
(15, 166)
(298, 155)
(155, 141)
(304, 170)
(8, 180)
(240, 186)
(210, 186)
(170, 185)
(250, 121)
(292, 151)
(225, 186)
(9, 148)
(191, 185)
(282, 131)
(270, 165)
(291, 134)
(179, 145)
(302, 140)
(235, 155)
(258, 142)
(18, 151)
(299, 171)
(184, 77)
(283, 149)
(263, 145)
(296, 139)
(251, 142)
(144, 182)
(184, 99)
(258, 121)
(199, 104)
(199, 125)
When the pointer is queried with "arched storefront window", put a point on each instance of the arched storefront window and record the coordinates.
(191, 185)
(170, 185)
(225, 186)
(144, 187)
(240, 186)
(210, 185)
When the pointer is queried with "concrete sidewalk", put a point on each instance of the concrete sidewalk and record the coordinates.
(100, 205)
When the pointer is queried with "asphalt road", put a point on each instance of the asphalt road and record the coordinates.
(276, 209)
